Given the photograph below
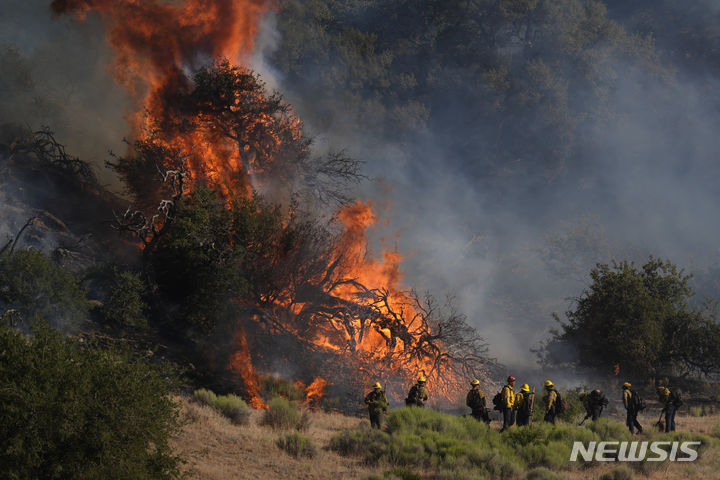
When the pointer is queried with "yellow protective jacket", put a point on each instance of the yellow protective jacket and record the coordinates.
(664, 396)
(550, 400)
(627, 398)
(508, 396)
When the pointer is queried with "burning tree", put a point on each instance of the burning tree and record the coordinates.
(227, 264)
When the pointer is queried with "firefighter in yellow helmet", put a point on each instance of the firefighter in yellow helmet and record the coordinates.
(507, 401)
(377, 405)
(476, 401)
(524, 406)
(418, 394)
(633, 404)
(554, 405)
(670, 402)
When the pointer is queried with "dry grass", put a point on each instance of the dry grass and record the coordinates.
(218, 450)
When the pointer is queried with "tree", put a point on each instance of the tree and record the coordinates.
(33, 285)
(74, 410)
(640, 319)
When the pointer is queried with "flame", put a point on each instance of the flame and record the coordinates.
(315, 392)
(156, 44)
(240, 363)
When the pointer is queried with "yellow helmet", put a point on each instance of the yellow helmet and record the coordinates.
(582, 395)
(548, 383)
(627, 385)
(475, 382)
(525, 388)
(377, 385)
(421, 378)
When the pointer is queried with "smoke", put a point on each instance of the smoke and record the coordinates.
(56, 73)
(515, 248)
(512, 248)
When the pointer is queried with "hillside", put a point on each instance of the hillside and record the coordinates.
(217, 449)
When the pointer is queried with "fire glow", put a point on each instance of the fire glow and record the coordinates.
(365, 312)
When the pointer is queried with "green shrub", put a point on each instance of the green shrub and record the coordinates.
(123, 304)
(297, 445)
(35, 286)
(283, 414)
(271, 387)
(618, 473)
(204, 397)
(75, 410)
(232, 406)
(541, 473)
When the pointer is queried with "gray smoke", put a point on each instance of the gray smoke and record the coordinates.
(56, 72)
(511, 255)
(515, 258)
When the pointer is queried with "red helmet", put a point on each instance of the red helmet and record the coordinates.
(511, 379)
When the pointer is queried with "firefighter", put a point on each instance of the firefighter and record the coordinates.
(551, 400)
(508, 400)
(377, 405)
(418, 394)
(670, 401)
(524, 403)
(476, 401)
(594, 403)
(633, 405)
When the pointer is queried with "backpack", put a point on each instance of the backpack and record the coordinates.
(498, 401)
(412, 398)
(636, 402)
(676, 399)
(526, 408)
(560, 405)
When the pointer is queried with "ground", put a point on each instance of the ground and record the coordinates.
(218, 450)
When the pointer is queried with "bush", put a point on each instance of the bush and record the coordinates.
(204, 397)
(395, 474)
(35, 286)
(271, 387)
(231, 405)
(282, 414)
(618, 473)
(123, 304)
(234, 408)
(297, 445)
(74, 410)
(541, 473)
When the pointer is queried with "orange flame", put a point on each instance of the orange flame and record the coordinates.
(240, 363)
(156, 43)
(315, 392)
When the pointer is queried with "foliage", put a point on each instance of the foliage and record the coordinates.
(271, 386)
(638, 318)
(465, 448)
(123, 304)
(541, 473)
(539, 70)
(213, 253)
(35, 286)
(618, 473)
(395, 474)
(231, 406)
(298, 445)
(283, 414)
(72, 410)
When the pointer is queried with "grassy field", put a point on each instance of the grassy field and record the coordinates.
(429, 446)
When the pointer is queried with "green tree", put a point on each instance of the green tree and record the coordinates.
(123, 304)
(638, 318)
(34, 285)
(69, 410)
